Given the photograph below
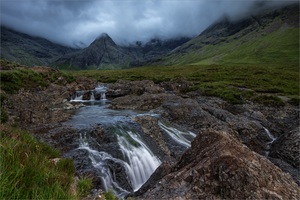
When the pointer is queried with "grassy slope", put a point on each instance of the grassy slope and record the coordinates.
(28, 172)
(232, 82)
(278, 47)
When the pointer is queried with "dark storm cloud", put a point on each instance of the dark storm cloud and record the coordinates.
(70, 22)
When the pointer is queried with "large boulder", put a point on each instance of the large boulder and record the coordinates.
(218, 166)
(287, 148)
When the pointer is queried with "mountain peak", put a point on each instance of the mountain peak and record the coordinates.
(102, 39)
(103, 35)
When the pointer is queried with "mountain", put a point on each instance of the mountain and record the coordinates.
(153, 49)
(105, 53)
(269, 37)
(272, 36)
(29, 50)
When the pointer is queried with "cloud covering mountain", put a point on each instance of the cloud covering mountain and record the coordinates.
(79, 22)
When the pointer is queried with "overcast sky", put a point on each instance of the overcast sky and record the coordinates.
(70, 22)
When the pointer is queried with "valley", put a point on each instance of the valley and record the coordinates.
(215, 116)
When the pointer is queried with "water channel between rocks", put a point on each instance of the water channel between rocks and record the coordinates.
(124, 161)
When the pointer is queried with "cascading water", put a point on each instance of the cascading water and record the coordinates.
(141, 160)
(122, 160)
(135, 158)
(138, 160)
(269, 144)
(99, 162)
(98, 94)
(183, 138)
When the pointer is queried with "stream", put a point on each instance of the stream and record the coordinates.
(113, 145)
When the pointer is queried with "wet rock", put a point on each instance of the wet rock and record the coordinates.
(223, 168)
(150, 127)
(287, 148)
(142, 102)
(61, 137)
(186, 112)
(161, 171)
(124, 87)
(179, 85)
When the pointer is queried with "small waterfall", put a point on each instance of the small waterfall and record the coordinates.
(92, 98)
(78, 96)
(183, 138)
(139, 162)
(99, 162)
(98, 94)
(269, 144)
(142, 162)
(102, 91)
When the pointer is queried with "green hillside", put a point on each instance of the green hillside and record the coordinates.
(281, 47)
(269, 38)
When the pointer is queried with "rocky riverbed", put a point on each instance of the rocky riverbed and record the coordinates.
(226, 160)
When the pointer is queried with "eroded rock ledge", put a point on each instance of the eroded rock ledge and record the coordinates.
(218, 166)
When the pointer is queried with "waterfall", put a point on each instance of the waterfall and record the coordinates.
(102, 91)
(141, 160)
(124, 161)
(98, 94)
(92, 98)
(138, 160)
(183, 138)
(99, 162)
(269, 144)
(78, 96)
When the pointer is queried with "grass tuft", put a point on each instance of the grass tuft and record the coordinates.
(27, 170)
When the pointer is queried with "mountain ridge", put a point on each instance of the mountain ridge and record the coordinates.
(29, 50)
(268, 37)
(250, 40)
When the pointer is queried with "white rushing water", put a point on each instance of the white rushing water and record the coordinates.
(139, 162)
(272, 139)
(98, 91)
(178, 136)
(98, 161)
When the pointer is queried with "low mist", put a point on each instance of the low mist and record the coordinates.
(78, 23)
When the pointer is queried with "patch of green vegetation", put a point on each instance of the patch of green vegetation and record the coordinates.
(84, 186)
(258, 47)
(294, 101)
(13, 80)
(7, 65)
(269, 100)
(109, 195)
(234, 83)
(3, 115)
(17, 77)
(27, 170)
(281, 46)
